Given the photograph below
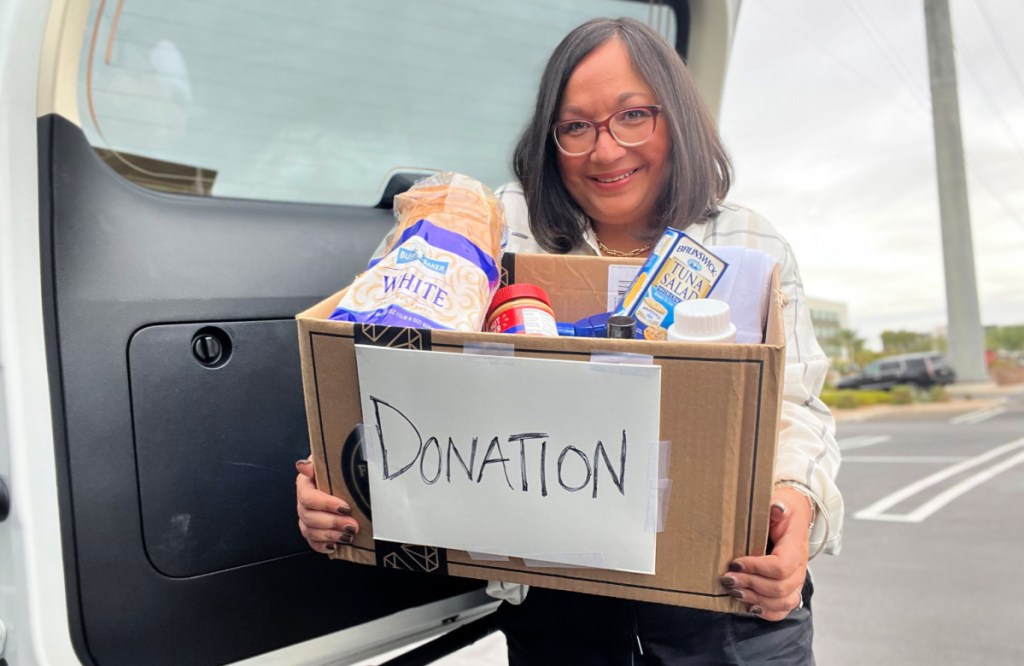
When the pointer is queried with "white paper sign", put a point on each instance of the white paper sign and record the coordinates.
(541, 459)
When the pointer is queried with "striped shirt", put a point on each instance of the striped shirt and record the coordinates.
(807, 455)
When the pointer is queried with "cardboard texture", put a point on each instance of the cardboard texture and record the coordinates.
(720, 406)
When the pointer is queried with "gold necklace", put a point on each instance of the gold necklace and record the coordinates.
(619, 253)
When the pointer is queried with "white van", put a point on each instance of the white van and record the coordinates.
(178, 178)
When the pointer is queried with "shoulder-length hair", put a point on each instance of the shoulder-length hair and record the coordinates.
(699, 173)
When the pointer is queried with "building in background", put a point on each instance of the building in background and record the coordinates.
(829, 317)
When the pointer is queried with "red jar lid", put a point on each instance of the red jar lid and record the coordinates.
(520, 290)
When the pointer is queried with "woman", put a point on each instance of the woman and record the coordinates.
(619, 147)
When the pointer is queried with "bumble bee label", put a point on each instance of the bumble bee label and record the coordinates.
(678, 269)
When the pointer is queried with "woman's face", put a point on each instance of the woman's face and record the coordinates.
(613, 184)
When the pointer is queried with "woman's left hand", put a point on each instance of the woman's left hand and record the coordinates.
(771, 584)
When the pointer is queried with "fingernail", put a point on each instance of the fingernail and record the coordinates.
(736, 594)
(344, 510)
(727, 581)
(329, 548)
(756, 610)
(778, 510)
(735, 566)
(346, 539)
(304, 461)
(349, 530)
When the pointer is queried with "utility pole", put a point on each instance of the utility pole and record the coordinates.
(966, 336)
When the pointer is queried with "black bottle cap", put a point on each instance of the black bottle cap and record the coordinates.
(621, 327)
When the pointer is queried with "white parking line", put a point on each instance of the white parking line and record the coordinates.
(877, 510)
(977, 416)
(902, 459)
(861, 441)
(950, 494)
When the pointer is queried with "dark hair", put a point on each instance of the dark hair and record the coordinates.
(699, 169)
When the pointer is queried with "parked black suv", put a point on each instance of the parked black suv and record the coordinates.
(921, 369)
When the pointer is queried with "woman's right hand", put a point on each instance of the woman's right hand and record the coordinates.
(325, 521)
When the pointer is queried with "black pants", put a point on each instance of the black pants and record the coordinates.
(552, 627)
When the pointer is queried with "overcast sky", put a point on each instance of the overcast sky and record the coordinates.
(826, 115)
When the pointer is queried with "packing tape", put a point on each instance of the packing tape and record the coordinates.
(485, 557)
(621, 358)
(562, 560)
(657, 507)
(370, 452)
(659, 486)
(489, 349)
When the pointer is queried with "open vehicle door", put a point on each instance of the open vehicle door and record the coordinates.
(177, 180)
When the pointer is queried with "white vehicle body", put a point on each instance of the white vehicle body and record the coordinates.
(96, 283)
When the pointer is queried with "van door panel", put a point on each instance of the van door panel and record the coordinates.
(215, 443)
(149, 442)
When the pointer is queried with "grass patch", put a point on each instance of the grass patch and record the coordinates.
(842, 399)
(899, 395)
(902, 395)
(874, 397)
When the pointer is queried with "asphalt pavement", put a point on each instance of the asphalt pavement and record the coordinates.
(933, 538)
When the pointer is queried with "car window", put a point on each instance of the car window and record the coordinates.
(889, 366)
(318, 101)
(916, 365)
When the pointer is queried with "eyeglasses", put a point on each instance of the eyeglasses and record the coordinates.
(629, 127)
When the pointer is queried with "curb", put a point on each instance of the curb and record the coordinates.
(956, 405)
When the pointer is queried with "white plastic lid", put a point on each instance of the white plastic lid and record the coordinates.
(702, 320)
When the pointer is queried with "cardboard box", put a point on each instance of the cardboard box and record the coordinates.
(720, 409)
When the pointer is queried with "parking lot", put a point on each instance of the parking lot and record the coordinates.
(932, 538)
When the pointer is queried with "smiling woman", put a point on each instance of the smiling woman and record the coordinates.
(610, 192)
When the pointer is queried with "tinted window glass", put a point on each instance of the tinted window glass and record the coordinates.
(316, 100)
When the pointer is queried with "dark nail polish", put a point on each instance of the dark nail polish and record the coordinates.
(756, 610)
(735, 566)
(727, 582)
(329, 548)
(349, 530)
(346, 539)
(344, 510)
(736, 594)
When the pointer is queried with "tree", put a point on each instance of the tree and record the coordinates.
(905, 342)
(847, 342)
(1005, 338)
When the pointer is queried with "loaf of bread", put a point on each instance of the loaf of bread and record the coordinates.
(457, 203)
(439, 265)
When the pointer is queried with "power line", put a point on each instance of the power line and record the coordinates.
(923, 110)
(986, 95)
(888, 52)
(812, 39)
(990, 24)
(975, 73)
(995, 194)
(901, 68)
